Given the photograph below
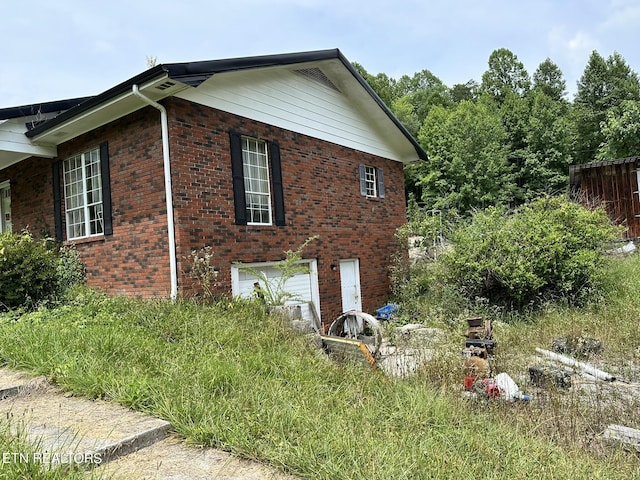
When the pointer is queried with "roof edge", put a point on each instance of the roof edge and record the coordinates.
(604, 163)
(422, 155)
(194, 73)
(43, 107)
(119, 89)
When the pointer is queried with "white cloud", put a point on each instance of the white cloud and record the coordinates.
(570, 44)
(626, 16)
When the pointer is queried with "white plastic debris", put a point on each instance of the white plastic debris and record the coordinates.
(509, 389)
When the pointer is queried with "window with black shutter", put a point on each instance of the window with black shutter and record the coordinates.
(257, 181)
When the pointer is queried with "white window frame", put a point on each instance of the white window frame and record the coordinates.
(257, 181)
(5, 187)
(371, 181)
(84, 210)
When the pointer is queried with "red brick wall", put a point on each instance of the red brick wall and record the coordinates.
(31, 196)
(135, 259)
(321, 196)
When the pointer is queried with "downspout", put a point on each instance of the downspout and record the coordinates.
(171, 231)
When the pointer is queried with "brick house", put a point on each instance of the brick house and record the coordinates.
(254, 155)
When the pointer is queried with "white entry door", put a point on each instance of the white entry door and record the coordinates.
(350, 285)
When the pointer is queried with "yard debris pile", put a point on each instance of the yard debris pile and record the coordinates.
(414, 346)
(564, 369)
(358, 336)
(478, 352)
(577, 345)
(354, 335)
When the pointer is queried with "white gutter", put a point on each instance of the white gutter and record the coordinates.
(171, 231)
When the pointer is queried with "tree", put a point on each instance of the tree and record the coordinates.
(464, 91)
(549, 80)
(424, 90)
(384, 86)
(546, 163)
(515, 118)
(405, 111)
(467, 165)
(604, 85)
(506, 74)
(621, 132)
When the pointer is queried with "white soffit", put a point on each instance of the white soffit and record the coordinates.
(15, 146)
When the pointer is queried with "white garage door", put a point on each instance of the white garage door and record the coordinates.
(304, 286)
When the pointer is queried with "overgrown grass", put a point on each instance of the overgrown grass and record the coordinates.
(231, 377)
(21, 460)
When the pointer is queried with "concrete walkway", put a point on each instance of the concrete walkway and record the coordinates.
(115, 442)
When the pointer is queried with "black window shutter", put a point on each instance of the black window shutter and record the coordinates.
(239, 200)
(57, 202)
(363, 183)
(105, 174)
(380, 183)
(276, 181)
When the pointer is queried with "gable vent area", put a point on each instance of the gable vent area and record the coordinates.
(317, 76)
(165, 85)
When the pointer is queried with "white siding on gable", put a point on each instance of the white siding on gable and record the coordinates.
(293, 101)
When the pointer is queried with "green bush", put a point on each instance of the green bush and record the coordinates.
(70, 270)
(549, 249)
(33, 271)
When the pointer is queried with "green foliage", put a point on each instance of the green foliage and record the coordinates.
(28, 271)
(35, 271)
(506, 75)
(604, 85)
(548, 249)
(542, 133)
(548, 79)
(467, 166)
(546, 160)
(70, 271)
(621, 132)
(464, 91)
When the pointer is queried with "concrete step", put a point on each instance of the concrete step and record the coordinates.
(171, 459)
(64, 429)
(111, 440)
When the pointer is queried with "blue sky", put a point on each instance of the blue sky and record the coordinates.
(69, 48)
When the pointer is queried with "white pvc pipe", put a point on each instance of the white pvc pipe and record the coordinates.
(594, 372)
(171, 231)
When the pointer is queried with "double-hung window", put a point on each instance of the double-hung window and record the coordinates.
(83, 195)
(255, 168)
(371, 182)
